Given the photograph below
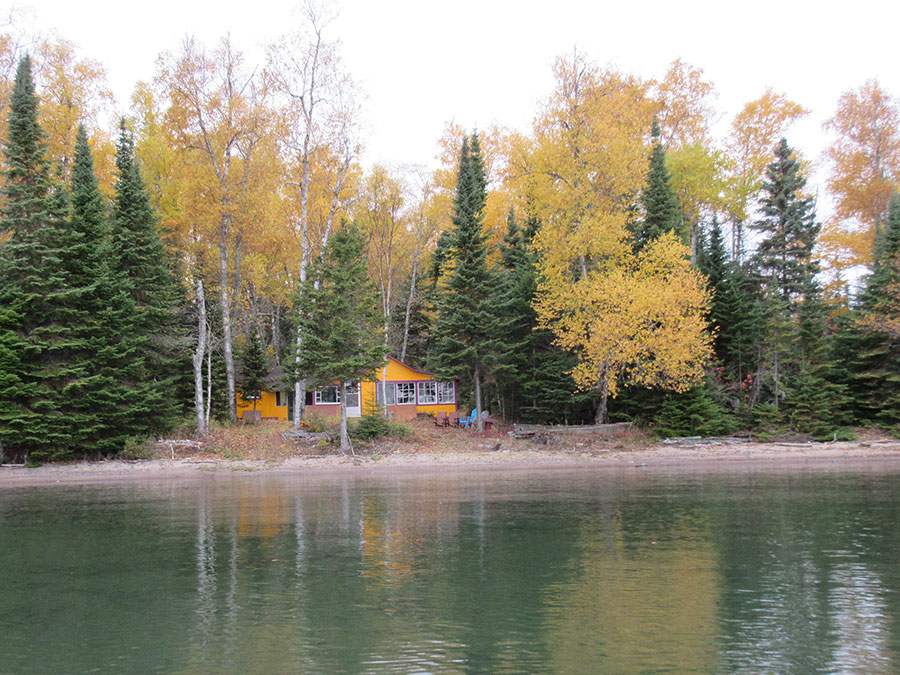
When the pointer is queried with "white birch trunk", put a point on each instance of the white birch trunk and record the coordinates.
(199, 353)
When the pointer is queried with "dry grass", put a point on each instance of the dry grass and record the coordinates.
(265, 441)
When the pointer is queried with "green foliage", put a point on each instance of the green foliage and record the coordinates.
(788, 226)
(841, 434)
(375, 425)
(694, 413)
(255, 368)
(341, 325)
(137, 448)
(465, 345)
(662, 213)
(340, 321)
(40, 305)
(870, 357)
(143, 268)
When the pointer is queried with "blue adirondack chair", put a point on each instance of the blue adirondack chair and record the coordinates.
(467, 422)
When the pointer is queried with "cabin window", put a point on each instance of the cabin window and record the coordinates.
(406, 393)
(446, 392)
(427, 393)
(278, 398)
(388, 390)
(328, 395)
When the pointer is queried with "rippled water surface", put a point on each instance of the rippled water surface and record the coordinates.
(480, 572)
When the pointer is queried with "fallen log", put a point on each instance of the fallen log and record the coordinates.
(543, 430)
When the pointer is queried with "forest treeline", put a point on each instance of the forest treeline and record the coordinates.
(619, 261)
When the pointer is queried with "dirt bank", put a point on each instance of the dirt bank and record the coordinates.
(430, 449)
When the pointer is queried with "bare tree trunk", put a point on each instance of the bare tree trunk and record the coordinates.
(208, 374)
(409, 302)
(345, 437)
(694, 233)
(199, 353)
(225, 304)
(479, 420)
(602, 408)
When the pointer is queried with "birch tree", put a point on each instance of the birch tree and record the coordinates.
(319, 112)
(216, 108)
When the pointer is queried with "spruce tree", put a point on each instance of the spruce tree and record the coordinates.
(341, 321)
(144, 270)
(662, 212)
(796, 370)
(872, 355)
(38, 347)
(109, 397)
(465, 345)
(254, 368)
(787, 226)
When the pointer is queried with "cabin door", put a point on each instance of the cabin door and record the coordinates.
(354, 407)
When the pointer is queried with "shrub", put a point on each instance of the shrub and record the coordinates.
(840, 434)
(374, 425)
(137, 448)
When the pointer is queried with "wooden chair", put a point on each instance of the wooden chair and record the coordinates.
(440, 419)
(453, 419)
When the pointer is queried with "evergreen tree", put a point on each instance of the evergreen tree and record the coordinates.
(737, 319)
(788, 226)
(38, 347)
(465, 345)
(870, 354)
(662, 212)
(109, 396)
(254, 369)
(532, 374)
(796, 373)
(144, 270)
(516, 318)
(341, 321)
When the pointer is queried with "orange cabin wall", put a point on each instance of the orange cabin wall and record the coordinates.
(393, 372)
(266, 406)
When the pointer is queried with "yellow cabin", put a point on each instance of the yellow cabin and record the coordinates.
(405, 392)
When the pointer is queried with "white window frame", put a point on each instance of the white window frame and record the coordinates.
(446, 393)
(410, 392)
(317, 400)
(425, 399)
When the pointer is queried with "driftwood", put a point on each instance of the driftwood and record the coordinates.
(544, 431)
(700, 440)
(307, 436)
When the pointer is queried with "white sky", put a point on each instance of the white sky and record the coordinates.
(422, 64)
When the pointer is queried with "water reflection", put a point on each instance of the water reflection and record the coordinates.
(560, 572)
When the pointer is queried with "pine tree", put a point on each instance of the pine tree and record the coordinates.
(341, 321)
(254, 368)
(662, 212)
(465, 345)
(38, 348)
(145, 271)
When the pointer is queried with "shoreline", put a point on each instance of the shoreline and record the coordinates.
(697, 458)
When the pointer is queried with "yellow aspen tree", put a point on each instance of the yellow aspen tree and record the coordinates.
(864, 168)
(73, 91)
(628, 318)
(685, 114)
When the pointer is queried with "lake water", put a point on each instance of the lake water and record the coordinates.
(562, 571)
